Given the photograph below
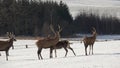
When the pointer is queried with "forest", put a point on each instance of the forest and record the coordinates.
(33, 18)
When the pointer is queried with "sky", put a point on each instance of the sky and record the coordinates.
(91, 2)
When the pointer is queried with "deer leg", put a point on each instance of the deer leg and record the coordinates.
(7, 52)
(66, 51)
(51, 50)
(89, 49)
(92, 49)
(0, 54)
(72, 51)
(39, 53)
(86, 49)
(55, 53)
(6, 55)
(12, 47)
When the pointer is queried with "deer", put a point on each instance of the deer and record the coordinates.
(48, 42)
(89, 41)
(8, 37)
(5, 45)
(63, 44)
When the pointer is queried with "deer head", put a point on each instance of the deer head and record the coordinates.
(11, 36)
(94, 31)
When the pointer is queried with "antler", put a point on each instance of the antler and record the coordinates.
(10, 34)
(94, 30)
(60, 29)
(51, 27)
(13, 35)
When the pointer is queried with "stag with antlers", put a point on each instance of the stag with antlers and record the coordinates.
(89, 41)
(5, 45)
(48, 42)
(63, 44)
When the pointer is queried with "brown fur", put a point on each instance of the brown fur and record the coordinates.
(89, 41)
(47, 43)
(63, 44)
(5, 45)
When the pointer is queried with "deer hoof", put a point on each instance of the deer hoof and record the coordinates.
(51, 57)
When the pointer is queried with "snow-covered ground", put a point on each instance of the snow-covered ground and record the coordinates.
(106, 55)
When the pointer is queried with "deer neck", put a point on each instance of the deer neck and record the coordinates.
(11, 41)
(94, 35)
(57, 36)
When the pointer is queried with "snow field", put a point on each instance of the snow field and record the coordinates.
(106, 55)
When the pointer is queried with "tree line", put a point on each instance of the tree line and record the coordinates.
(32, 18)
(104, 24)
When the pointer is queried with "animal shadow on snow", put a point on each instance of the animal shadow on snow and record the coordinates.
(107, 54)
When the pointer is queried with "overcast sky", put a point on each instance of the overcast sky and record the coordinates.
(91, 2)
